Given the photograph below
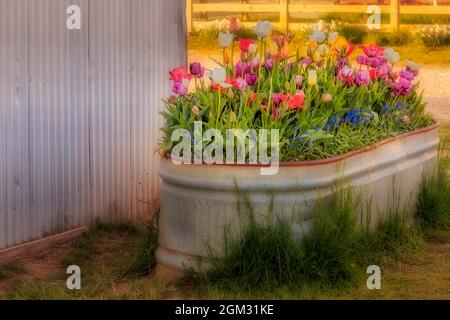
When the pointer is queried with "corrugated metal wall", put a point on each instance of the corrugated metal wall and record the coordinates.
(79, 111)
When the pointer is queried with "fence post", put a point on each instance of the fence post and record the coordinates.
(244, 16)
(395, 14)
(435, 3)
(189, 16)
(284, 15)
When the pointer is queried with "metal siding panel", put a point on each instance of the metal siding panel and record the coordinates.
(110, 108)
(152, 57)
(15, 145)
(5, 76)
(80, 111)
(58, 118)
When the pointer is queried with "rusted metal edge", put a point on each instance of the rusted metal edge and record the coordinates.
(332, 159)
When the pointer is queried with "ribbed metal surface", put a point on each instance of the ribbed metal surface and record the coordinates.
(79, 111)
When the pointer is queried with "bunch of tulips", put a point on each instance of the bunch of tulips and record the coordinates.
(260, 84)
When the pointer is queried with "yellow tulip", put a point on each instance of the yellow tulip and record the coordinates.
(312, 78)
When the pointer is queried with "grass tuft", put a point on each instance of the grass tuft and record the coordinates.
(144, 261)
(433, 210)
(336, 251)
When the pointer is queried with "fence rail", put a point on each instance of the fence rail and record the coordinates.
(285, 9)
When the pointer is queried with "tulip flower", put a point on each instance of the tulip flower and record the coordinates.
(342, 47)
(196, 111)
(326, 97)
(234, 24)
(196, 69)
(372, 51)
(298, 80)
(179, 74)
(241, 84)
(269, 63)
(225, 40)
(332, 37)
(244, 44)
(406, 119)
(403, 87)
(408, 75)
(251, 79)
(412, 67)
(312, 78)
(297, 101)
(263, 29)
(362, 78)
(219, 77)
(318, 37)
(181, 87)
(391, 55)
(279, 98)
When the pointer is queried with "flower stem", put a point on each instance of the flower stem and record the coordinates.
(219, 111)
(223, 56)
(260, 65)
(232, 56)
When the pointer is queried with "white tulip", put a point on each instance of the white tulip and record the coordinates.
(225, 39)
(391, 55)
(263, 29)
(318, 36)
(219, 76)
(332, 37)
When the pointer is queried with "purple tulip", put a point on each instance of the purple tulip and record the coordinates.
(242, 68)
(383, 71)
(403, 87)
(180, 88)
(251, 79)
(408, 75)
(362, 78)
(279, 98)
(411, 67)
(241, 84)
(306, 62)
(376, 62)
(362, 60)
(269, 63)
(196, 69)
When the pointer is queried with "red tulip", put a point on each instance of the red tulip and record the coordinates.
(244, 44)
(178, 74)
(373, 50)
(297, 101)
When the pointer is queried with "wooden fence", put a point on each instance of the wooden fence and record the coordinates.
(284, 8)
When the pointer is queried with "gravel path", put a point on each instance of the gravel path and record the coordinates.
(434, 80)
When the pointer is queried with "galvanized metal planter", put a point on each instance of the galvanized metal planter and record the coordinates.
(198, 202)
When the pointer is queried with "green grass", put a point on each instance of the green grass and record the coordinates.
(334, 254)
(11, 269)
(434, 201)
(113, 259)
(145, 261)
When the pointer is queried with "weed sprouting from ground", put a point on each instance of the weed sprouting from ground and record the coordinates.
(433, 209)
(145, 261)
